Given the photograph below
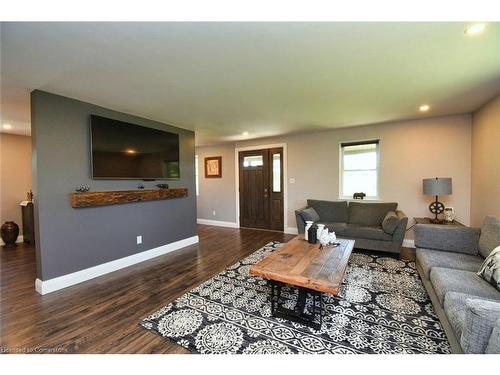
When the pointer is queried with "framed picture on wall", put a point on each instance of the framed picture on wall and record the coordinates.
(213, 167)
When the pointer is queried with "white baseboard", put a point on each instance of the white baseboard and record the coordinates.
(291, 230)
(408, 243)
(19, 240)
(217, 223)
(51, 285)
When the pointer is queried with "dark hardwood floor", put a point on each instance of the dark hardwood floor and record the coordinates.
(102, 315)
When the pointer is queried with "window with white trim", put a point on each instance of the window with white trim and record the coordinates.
(196, 178)
(359, 168)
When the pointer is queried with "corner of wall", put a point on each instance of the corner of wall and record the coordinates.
(485, 156)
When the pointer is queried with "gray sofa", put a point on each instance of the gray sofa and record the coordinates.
(447, 259)
(374, 226)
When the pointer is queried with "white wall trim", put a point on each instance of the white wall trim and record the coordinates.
(19, 240)
(291, 230)
(51, 285)
(217, 223)
(285, 178)
(408, 243)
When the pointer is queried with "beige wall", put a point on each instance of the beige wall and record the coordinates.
(15, 175)
(409, 152)
(217, 193)
(485, 198)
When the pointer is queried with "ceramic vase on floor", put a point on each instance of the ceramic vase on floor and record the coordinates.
(9, 233)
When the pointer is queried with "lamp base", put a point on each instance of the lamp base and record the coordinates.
(436, 208)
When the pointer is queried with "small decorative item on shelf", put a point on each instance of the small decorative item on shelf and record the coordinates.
(312, 235)
(359, 195)
(162, 186)
(9, 232)
(29, 196)
(82, 188)
(140, 186)
(449, 214)
(308, 225)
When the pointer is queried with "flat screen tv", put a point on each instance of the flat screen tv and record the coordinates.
(120, 150)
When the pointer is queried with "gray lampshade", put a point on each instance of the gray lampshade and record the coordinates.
(437, 186)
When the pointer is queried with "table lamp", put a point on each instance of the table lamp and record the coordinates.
(437, 186)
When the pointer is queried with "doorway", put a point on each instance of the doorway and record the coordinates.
(261, 196)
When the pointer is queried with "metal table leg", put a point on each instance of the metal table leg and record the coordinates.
(299, 314)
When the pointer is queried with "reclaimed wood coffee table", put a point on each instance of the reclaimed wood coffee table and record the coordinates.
(311, 269)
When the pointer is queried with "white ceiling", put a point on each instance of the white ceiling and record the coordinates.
(221, 79)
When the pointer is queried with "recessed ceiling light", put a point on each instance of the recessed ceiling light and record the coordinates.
(476, 28)
(424, 108)
(245, 133)
(130, 151)
(7, 126)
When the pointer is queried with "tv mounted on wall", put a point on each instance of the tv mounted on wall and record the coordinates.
(120, 150)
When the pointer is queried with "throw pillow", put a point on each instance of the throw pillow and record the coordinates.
(490, 235)
(490, 269)
(309, 214)
(390, 222)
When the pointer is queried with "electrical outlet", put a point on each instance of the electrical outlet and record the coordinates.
(292, 180)
(213, 213)
(139, 240)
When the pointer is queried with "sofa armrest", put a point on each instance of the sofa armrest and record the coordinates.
(480, 318)
(494, 342)
(301, 224)
(399, 233)
(447, 238)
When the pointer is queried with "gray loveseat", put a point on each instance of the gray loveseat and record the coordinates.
(374, 226)
(468, 307)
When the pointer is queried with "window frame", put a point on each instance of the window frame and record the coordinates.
(341, 166)
(197, 175)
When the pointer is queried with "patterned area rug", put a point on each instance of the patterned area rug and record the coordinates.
(382, 308)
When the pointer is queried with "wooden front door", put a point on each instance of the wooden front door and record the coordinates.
(261, 188)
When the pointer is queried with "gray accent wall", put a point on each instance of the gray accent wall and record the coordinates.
(68, 239)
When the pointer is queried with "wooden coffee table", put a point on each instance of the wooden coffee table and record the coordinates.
(313, 270)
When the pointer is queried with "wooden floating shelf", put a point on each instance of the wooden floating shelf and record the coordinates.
(106, 198)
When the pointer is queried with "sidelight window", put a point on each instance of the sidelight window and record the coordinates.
(276, 173)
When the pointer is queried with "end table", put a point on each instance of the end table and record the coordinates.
(426, 220)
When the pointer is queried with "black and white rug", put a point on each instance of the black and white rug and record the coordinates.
(382, 308)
